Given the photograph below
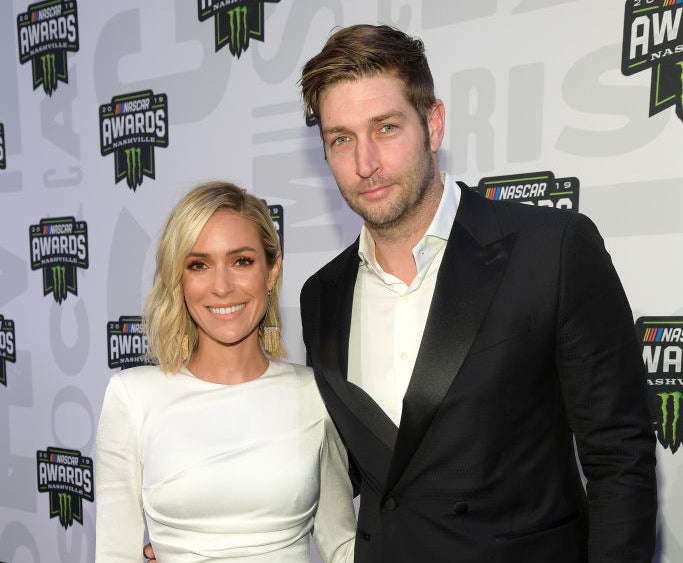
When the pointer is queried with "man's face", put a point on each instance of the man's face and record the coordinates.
(383, 159)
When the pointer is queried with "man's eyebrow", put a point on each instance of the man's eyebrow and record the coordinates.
(372, 121)
(387, 116)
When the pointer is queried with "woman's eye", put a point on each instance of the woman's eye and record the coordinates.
(244, 261)
(195, 265)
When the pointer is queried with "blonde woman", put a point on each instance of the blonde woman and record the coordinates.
(227, 451)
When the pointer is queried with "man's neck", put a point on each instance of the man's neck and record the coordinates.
(394, 245)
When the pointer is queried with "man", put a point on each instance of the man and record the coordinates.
(462, 344)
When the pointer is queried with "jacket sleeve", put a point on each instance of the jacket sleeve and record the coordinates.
(601, 374)
(334, 526)
(118, 481)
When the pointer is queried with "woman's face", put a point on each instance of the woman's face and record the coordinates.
(226, 279)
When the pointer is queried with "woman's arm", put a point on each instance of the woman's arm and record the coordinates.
(118, 480)
(334, 526)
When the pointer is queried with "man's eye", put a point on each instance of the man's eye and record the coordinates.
(340, 140)
(388, 128)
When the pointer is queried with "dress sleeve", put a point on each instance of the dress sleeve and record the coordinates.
(334, 525)
(118, 481)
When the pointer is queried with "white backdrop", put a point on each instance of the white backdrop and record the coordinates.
(529, 85)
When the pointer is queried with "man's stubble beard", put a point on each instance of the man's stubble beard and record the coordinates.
(416, 185)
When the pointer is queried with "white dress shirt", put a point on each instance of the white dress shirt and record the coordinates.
(389, 316)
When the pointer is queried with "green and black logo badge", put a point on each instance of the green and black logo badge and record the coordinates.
(278, 216)
(3, 162)
(236, 21)
(534, 188)
(59, 246)
(131, 126)
(127, 343)
(7, 349)
(68, 477)
(653, 39)
(46, 31)
(662, 340)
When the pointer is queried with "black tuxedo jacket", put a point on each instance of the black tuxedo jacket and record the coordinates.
(529, 342)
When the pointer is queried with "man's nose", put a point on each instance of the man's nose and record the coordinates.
(367, 158)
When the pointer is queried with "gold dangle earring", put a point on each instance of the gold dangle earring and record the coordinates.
(185, 348)
(271, 333)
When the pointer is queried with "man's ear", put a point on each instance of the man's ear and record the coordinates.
(436, 121)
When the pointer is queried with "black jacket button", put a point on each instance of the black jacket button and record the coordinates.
(460, 507)
(390, 504)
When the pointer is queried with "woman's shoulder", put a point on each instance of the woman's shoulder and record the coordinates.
(138, 376)
(297, 371)
(299, 378)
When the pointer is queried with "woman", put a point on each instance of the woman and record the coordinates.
(229, 452)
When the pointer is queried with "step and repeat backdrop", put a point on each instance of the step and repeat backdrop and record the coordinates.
(111, 111)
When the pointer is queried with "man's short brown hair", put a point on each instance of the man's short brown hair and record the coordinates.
(361, 51)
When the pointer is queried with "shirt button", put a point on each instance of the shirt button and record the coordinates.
(404, 356)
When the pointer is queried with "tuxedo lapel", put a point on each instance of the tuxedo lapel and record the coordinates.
(469, 275)
(335, 326)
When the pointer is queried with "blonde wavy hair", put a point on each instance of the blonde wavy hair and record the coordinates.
(171, 332)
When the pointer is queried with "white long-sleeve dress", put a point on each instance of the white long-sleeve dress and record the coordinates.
(222, 472)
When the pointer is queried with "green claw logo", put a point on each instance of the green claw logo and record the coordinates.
(133, 167)
(236, 22)
(59, 282)
(669, 433)
(48, 61)
(239, 38)
(66, 515)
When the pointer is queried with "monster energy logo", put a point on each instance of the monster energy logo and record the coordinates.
(133, 166)
(239, 36)
(670, 406)
(66, 515)
(59, 282)
(236, 22)
(49, 74)
(68, 478)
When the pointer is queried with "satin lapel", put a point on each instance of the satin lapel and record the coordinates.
(469, 276)
(335, 326)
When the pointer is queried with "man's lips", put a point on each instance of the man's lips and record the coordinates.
(376, 192)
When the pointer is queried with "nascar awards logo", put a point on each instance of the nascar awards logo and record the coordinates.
(662, 340)
(534, 188)
(46, 31)
(131, 126)
(278, 217)
(7, 349)
(127, 343)
(3, 162)
(59, 246)
(68, 477)
(235, 22)
(653, 39)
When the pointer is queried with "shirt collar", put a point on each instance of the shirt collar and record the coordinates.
(440, 227)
